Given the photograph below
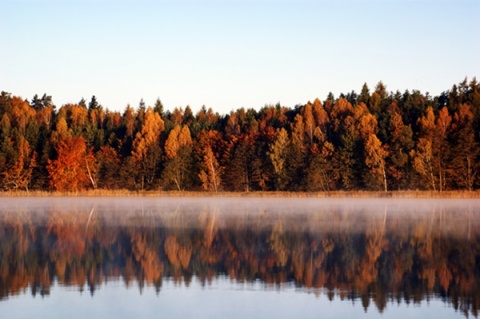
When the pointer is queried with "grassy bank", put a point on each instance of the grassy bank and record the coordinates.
(336, 194)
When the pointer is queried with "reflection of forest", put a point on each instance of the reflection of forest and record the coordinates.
(377, 259)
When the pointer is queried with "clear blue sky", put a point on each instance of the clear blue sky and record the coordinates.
(229, 54)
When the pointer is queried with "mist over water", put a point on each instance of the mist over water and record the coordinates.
(373, 256)
(126, 209)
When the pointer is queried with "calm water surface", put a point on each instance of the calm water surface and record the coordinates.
(239, 258)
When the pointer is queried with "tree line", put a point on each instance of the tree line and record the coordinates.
(376, 140)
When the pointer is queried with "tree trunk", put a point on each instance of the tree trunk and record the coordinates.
(94, 184)
(214, 176)
(384, 178)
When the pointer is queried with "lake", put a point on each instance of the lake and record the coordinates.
(145, 257)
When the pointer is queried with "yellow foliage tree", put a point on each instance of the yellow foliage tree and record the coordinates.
(375, 159)
(146, 148)
(178, 138)
(278, 153)
(18, 173)
(210, 171)
(423, 161)
(178, 151)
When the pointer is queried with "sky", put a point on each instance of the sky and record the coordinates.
(227, 54)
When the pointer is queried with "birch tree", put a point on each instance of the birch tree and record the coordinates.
(210, 171)
(375, 159)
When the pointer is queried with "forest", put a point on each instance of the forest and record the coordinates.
(374, 140)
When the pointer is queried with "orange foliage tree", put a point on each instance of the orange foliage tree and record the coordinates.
(74, 168)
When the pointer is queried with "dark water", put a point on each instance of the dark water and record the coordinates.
(239, 258)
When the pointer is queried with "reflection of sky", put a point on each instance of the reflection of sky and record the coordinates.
(222, 299)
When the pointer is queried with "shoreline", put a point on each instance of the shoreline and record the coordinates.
(333, 194)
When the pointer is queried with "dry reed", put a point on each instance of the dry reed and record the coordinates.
(333, 194)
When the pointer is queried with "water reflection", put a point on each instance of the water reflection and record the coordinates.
(373, 252)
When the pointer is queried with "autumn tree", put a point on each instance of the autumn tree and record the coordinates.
(17, 170)
(309, 122)
(297, 153)
(375, 160)
(319, 170)
(442, 147)
(342, 121)
(430, 156)
(21, 114)
(400, 144)
(109, 168)
(74, 167)
(321, 175)
(374, 153)
(146, 150)
(423, 161)
(465, 151)
(178, 153)
(210, 171)
(278, 156)
(208, 148)
(76, 117)
(322, 120)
